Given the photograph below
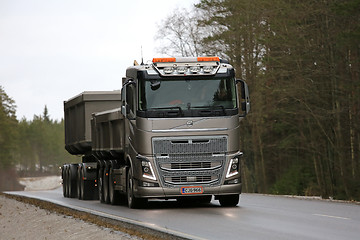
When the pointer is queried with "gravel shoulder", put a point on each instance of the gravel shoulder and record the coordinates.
(20, 220)
(28, 218)
(25, 218)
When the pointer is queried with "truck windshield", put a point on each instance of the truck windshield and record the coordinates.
(189, 97)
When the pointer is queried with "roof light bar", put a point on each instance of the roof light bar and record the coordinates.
(183, 59)
(187, 66)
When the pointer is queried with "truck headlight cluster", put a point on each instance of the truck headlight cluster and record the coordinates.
(147, 170)
(234, 166)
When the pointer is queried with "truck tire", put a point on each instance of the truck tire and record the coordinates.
(114, 195)
(229, 200)
(64, 182)
(72, 181)
(67, 182)
(79, 178)
(100, 185)
(106, 185)
(133, 202)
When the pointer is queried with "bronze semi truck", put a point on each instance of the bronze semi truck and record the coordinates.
(172, 132)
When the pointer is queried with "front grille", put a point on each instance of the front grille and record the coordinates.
(190, 179)
(188, 161)
(190, 165)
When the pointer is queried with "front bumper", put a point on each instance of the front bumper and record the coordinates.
(160, 192)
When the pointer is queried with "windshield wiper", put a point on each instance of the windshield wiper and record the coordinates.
(179, 112)
(211, 108)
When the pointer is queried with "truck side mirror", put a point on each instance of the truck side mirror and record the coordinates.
(245, 97)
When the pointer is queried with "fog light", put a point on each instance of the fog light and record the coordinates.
(148, 184)
(234, 181)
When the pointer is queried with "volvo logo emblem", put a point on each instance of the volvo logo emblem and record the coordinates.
(189, 123)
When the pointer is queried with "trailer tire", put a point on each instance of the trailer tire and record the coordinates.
(106, 185)
(229, 200)
(88, 190)
(72, 181)
(133, 202)
(63, 174)
(79, 183)
(114, 195)
(67, 184)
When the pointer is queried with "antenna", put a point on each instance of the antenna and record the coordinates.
(142, 57)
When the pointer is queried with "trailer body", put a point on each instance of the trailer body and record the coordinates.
(172, 132)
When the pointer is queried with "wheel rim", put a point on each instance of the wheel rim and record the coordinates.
(64, 181)
(100, 187)
(130, 188)
(68, 182)
(82, 184)
(111, 186)
(78, 186)
(106, 187)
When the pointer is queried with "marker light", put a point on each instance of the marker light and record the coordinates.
(163, 60)
(208, 59)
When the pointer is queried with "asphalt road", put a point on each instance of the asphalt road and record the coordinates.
(256, 217)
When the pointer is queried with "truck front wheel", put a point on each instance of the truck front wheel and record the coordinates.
(229, 200)
(133, 202)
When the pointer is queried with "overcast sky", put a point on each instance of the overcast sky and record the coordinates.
(52, 50)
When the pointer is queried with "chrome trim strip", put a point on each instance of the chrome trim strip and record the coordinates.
(189, 130)
(191, 183)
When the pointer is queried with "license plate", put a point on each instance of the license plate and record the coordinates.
(192, 190)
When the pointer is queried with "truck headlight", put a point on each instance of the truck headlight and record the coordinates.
(234, 166)
(147, 170)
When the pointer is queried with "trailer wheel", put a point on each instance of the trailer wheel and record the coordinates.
(114, 195)
(63, 173)
(229, 200)
(72, 181)
(133, 202)
(100, 185)
(79, 185)
(67, 182)
(106, 185)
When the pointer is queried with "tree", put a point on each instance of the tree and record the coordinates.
(179, 34)
(8, 130)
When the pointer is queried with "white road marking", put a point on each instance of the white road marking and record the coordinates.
(329, 216)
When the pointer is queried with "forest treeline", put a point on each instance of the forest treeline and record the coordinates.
(33, 147)
(301, 62)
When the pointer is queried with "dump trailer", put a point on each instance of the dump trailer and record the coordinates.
(172, 132)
